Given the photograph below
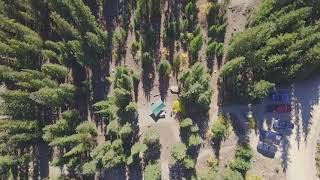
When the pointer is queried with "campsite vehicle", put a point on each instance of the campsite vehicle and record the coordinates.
(283, 126)
(157, 109)
(279, 108)
(280, 96)
(271, 137)
(267, 149)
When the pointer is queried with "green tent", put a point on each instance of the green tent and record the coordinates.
(157, 107)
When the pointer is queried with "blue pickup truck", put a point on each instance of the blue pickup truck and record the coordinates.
(267, 149)
(270, 137)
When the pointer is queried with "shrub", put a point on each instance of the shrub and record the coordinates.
(244, 152)
(176, 63)
(220, 129)
(195, 89)
(195, 46)
(194, 140)
(242, 159)
(260, 90)
(152, 137)
(232, 175)
(152, 171)
(186, 123)
(240, 165)
(178, 152)
(134, 48)
(213, 163)
(164, 68)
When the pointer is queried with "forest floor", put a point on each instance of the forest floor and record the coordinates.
(297, 152)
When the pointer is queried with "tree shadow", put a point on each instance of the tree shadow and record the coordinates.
(118, 172)
(163, 86)
(175, 172)
(202, 120)
(241, 128)
(285, 146)
(155, 22)
(216, 146)
(305, 101)
(152, 154)
(147, 81)
(135, 171)
(125, 14)
(210, 63)
(44, 155)
(136, 90)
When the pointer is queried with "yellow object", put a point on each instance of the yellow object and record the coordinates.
(184, 61)
(177, 107)
(253, 177)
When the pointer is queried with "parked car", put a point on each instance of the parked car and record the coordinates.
(283, 126)
(279, 108)
(270, 136)
(280, 96)
(267, 149)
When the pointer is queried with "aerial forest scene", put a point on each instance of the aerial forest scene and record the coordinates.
(159, 89)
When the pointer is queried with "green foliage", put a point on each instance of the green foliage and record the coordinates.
(243, 156)
(275, 48)
(220, 129)
(152, 138)
(153, 171)
(138, 148)
(186, 123)
(232, 67)
(118, 41)
(195, 88)
(134, 48)
(55, 71)
(89, 168)
(208, 175)
(194, 140)
(17, 104)
(260, 90)
(53, 96)
(244, 152)
(195, 46)
(240, 165)
(213, 163)
(74, 146)
(164, 68)
(211, 51)
(232, 175)
(146, 60)
(16, 134)
(189, 130)
(176, 64)
(136, 151)
(109, 154)
(178, 152)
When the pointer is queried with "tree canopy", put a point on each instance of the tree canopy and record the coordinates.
(280, 45)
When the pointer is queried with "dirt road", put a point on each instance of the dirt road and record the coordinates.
(302, 143)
